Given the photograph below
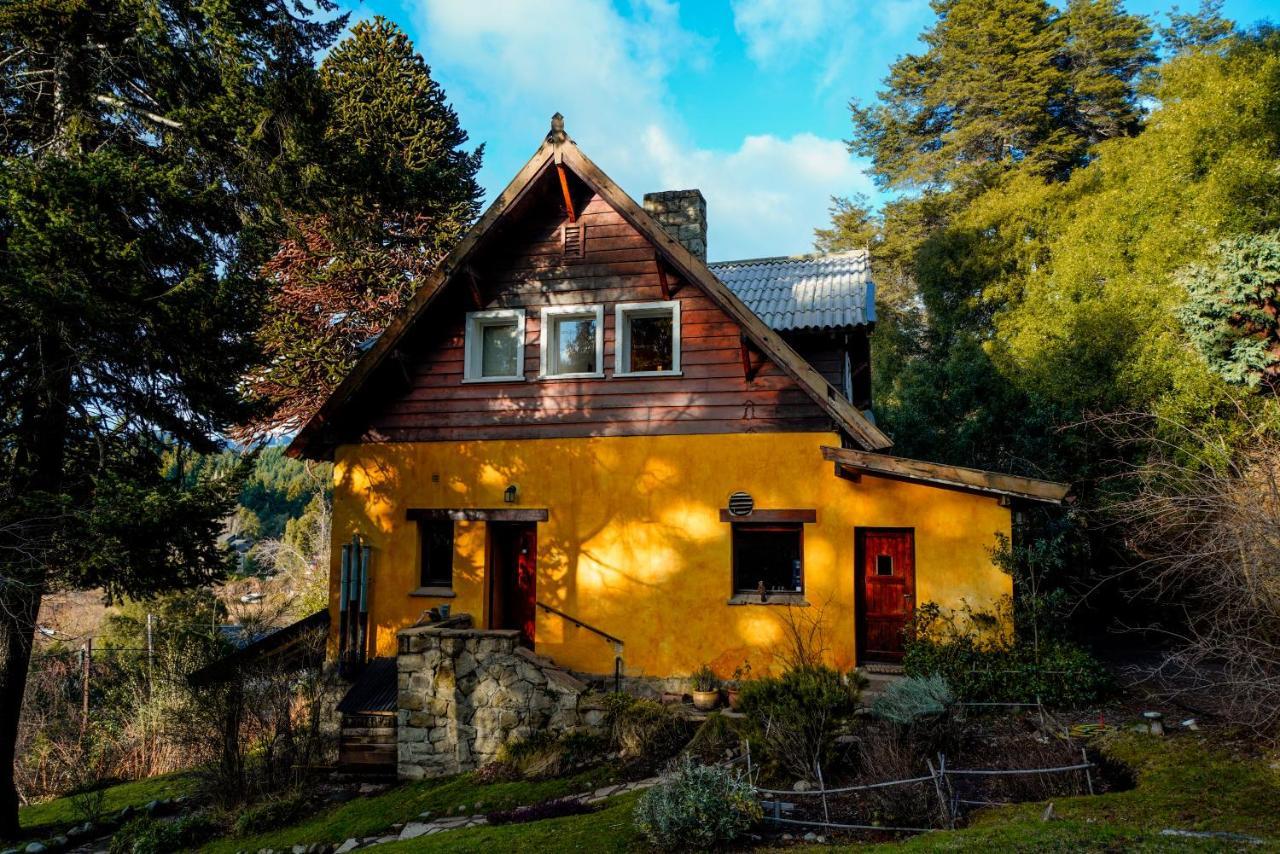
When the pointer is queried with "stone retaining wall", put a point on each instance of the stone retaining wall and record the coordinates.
(465, 692)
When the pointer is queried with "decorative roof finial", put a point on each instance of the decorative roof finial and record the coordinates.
(557, 134)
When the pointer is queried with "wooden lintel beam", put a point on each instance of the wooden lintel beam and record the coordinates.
(473, 281)
(564, 188)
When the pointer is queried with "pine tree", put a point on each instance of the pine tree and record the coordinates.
(401, 191)
(144, 146)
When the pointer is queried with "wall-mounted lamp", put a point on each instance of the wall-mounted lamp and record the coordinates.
(510, 494)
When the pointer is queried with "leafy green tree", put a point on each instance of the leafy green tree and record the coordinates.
(401, 191)
(1232, 313)
(146, 145)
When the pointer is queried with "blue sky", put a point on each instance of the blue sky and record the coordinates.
(744, 99)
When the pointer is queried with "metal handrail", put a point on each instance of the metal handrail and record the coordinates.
(544, 606)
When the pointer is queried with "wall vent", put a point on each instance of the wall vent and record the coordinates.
(574, 239)
(741, 504)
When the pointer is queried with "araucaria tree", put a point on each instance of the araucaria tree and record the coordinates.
(145, 145)
(400, 191)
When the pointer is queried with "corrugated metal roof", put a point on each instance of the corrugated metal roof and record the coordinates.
(804, 291)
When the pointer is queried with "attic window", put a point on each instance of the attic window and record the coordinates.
(648, 339)
(572, 341)
(494, 347)
(574, 241)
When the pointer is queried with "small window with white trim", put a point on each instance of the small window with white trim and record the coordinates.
(494, 347)
(648, 339)
(572, 341)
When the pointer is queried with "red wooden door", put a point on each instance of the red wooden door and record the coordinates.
(886, 582)
(513, 564)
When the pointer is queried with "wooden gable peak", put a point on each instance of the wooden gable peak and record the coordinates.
(558, 151)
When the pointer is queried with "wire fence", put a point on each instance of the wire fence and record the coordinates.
(939, 775)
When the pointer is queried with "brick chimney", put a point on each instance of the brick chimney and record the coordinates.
(683, 213)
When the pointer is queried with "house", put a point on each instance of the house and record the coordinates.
(625, 460)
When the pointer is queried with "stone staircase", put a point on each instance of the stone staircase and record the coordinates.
(879, 677)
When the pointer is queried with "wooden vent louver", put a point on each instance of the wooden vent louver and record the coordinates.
(741, 504)
(574, 241)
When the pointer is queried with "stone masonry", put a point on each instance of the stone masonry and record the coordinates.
(465, 692)
(683, 213)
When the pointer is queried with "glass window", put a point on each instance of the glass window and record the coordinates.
(437, 553)
(768, 554)
(884, 564)
(648, 338)
(572, 341)
(494, 347)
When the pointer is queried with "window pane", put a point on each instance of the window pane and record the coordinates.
(651, 343)
(437, 554)
(576, 338)
(884, 564)
(768, 554)
(498, 350)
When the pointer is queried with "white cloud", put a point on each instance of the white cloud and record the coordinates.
(508, 65)
(766, 197)
(774, 29)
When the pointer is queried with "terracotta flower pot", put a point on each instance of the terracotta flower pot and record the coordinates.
(705, 701)
(735, 697)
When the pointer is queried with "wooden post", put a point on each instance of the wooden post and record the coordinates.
(822, 787)
(937, 785)
(1088, 777)
(87, 654)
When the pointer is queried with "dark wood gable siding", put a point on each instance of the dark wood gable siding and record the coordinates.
(525, 267)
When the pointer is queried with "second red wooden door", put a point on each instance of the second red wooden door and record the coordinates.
(513, 567)
(886, 586)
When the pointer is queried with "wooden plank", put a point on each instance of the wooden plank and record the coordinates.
(591, 429)
(500, 514)
(775, 516)
(976, 480)
(564, 188)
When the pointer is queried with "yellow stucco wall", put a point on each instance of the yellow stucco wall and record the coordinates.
(634, 543)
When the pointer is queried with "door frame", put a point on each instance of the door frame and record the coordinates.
(490, 576)
(860, 587)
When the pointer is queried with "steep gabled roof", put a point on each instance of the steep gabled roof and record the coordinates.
(804, 292)
(559, 149)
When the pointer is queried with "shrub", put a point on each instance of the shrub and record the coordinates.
(797, 714)
(643, 729)
(697, 806)
(909, 700)
(981, 664)
(544, 755)
(717, 737)
(147, 835)
(892, 753)
(705, 679)
(270, 814)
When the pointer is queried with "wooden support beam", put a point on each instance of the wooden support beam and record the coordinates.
(662, 277)
(748, 370)
(848, 474)
(955, 477)
(474, 282)
(775, 516)
(564, 188)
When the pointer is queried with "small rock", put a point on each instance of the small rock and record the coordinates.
(10, 851)
(349, 845)
(425, 814)
(413, 830)
(126, 813)
(299, 849)
(152, 807)
(35, 848)
(811, 837)
(1048, 815)
(801, 786)
(787, 837)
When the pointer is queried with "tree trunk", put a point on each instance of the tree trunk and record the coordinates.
(38, 464)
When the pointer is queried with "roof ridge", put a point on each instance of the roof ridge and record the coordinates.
(777, 259)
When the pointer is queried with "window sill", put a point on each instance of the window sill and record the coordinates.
(796, 599)
(437, 592)
(639, 375)
(493, 379)
(569, 377)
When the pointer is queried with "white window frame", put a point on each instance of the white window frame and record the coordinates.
(473, 344)
(549, 344)
(622, 336)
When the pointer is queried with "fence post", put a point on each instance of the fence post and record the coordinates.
(87, 655)
(822, 787)
(1088, 777)
(937, 785)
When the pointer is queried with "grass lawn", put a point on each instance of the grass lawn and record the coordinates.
(609, 830)
(1182, 783)
(38, 818)
(373, 815)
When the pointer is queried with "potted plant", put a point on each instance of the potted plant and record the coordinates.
(706, 689)
(733, 688)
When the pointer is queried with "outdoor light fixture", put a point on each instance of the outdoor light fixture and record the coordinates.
(510, 494)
